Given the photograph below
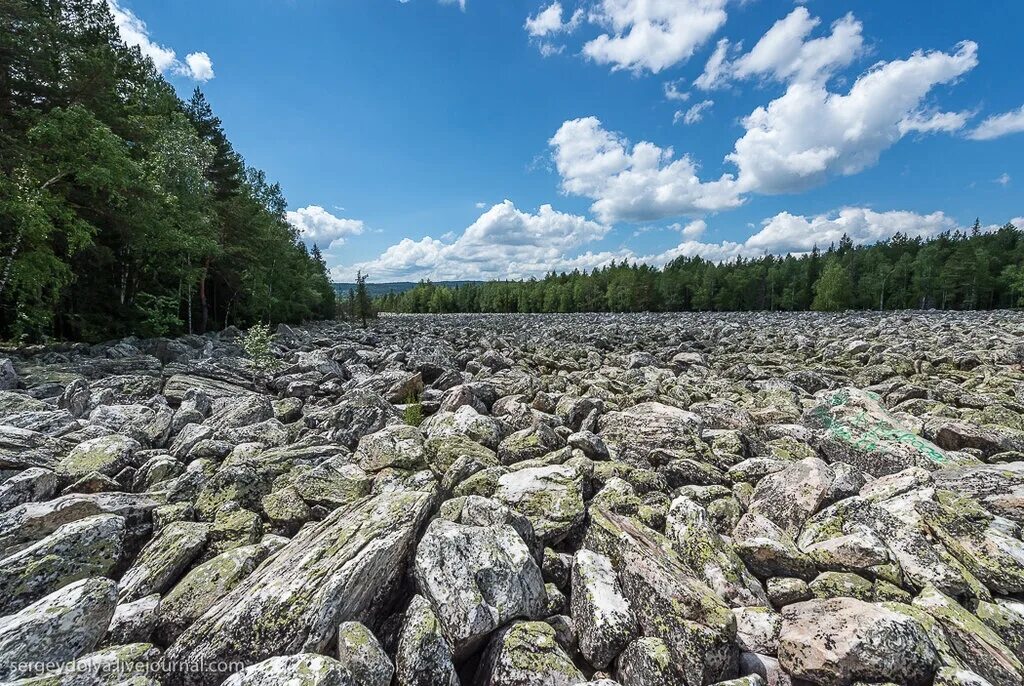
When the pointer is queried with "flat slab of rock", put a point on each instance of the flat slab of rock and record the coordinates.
(344, 568)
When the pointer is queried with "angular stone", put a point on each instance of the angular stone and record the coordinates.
(526, 653)
(477, 579)
(343, 568)
(605, 623)
(58, 628)
(836, 642)
(424, 656)
(78, 550)
(164, 559)
(550, 497)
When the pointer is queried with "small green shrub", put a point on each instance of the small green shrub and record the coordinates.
(413, 414)
(256, 344)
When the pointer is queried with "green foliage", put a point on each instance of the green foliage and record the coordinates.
(957, 270)
(123, 209)
(362, 306)
(413, 414)
(833, 288)
(256, 344)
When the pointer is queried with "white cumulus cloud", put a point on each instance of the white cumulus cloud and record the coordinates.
(504, 242)
(652, 35)
(549, 21)
(135, 33)
(318, 226)
(641, 182)
(999, 125)
(810, 133)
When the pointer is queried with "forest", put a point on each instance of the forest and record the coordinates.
(955, 270)
(124, 209)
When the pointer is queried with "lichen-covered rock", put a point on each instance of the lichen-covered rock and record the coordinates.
(550, 497)
(58, 628)
(647, 661)
(31, 485)
(303, 669)
(857, 429)
(107, 455)
(465, 421)
(33, 521)
(703, 550)
(399, 446)
(669, 602)
(838, 641)
(133, 622)
(164, 559)
(604, 621)
(477, 578)
(207, 583)
(424, 657)
(528, 444)
(361, 654)
(649, 426)
(977, 646)
(527, 653)
(343, 568)
(359, 413)
(89, 547)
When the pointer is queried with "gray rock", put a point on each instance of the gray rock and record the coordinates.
(58, 628)
(838, 641)
(605, 623)
(424, 656)
(477, 579)
(89, 547)
(343, 569)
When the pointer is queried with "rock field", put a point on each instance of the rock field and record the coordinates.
(641, 500)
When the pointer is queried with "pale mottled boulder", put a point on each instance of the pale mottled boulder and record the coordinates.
(89, 547)
(973, 643)
(33, 521)
(358, 413)
(24, 448)
(670, 603)
(133, 622)
(164, 559)
(530, 443)
(477, 578)
(31, 485)
(604, 621)
(836, 642)
(464, 421)
(58, 628)
(647, 661)
(424, 656)
(527, 653)
(757, 629)
(551, 497)
(768, 550)
(706, 553)
(399, 446)
(649, 426)
(303, 669)
(361, 654)
(343, 568)
(998, 487)
(207, 583)
(789, 497)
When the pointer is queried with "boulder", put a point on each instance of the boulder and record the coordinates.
(344, 568)
(477, 578)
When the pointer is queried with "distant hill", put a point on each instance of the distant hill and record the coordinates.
(375, 290)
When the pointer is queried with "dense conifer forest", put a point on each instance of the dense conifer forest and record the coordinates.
(959, 271)
(123, 209)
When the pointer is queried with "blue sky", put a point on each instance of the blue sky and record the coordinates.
(504, 138)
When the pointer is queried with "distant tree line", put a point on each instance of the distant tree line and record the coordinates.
(958, 270)
(123, 209)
